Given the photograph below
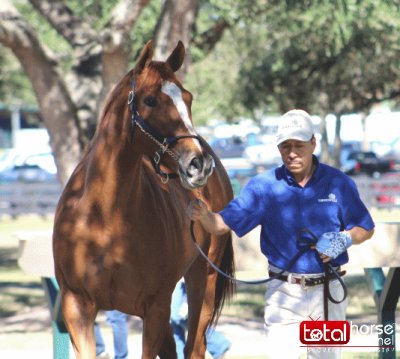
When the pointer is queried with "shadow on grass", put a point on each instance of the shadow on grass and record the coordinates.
(16, 296)
(23, 308)
(8, 258)
(19, 297)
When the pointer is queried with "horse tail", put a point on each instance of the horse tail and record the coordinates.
(225, 287)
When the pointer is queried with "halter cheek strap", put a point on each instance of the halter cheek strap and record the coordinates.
(165, 143)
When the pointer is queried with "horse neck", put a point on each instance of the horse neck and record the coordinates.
(115, 163)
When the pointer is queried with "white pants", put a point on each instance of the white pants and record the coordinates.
(286, 306)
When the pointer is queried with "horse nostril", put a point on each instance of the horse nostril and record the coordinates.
(196, 163)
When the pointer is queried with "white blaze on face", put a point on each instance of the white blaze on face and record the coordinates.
(175, 94)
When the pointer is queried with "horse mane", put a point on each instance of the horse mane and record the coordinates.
(155, 192)
(115, 94)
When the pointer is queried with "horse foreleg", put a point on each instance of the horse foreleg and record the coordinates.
(79, 316)
(157, 334)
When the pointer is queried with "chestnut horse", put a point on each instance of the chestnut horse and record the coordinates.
(121, 238)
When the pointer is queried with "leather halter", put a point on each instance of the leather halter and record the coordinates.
(165, 143)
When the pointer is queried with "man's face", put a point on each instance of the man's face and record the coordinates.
(297, 155)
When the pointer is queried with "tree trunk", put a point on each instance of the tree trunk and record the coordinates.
(324, 157)
(71, 100)
(175, 23)
(57, 108)
(337, 147)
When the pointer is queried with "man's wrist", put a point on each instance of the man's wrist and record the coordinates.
(348, 239)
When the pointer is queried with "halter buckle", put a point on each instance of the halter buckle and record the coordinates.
(131, 97)
(303, 282)
(164, 145)
(290, 279)
(157, 157)
(164, 178)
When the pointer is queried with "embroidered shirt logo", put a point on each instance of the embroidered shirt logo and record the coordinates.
(331, 198)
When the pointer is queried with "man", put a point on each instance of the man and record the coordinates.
(119, 324)
(301, 194)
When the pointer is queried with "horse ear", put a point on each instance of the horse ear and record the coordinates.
(175, 60)
(145, 56)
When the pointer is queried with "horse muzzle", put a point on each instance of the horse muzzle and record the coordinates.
(194, 169)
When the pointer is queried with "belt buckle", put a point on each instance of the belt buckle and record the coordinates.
(290, 278)
(303, 282)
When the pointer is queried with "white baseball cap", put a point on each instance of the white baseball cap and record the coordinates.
(295, 125)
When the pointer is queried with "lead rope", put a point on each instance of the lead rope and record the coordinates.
(233, 279)
(213, 265)
(328, 269)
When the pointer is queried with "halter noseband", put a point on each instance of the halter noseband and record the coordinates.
(165, 143)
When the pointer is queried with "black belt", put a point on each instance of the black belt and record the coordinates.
(305, 281)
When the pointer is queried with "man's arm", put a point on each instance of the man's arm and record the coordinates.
(211, 221)
(359, 234)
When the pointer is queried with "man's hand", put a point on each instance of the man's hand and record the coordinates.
(333, 244)
(197, 210)
(212, 222)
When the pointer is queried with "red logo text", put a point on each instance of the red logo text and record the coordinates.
(326, 332)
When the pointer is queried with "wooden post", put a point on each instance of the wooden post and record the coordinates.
(61, 338)
(386, 291)
(35, 258)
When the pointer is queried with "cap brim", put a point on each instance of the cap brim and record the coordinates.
(298, 137)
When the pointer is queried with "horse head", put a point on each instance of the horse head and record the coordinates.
(161, 111)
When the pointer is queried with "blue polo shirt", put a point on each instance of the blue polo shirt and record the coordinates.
(328, 203)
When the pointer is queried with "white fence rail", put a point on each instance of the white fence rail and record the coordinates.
(382, 192)
(26, 198)
(42, 198)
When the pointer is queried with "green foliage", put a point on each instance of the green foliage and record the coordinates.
(329, 56)
(46, 33)
(15, 88)
(95, 12)
(325, 56)
(144, 29)
(210, 82)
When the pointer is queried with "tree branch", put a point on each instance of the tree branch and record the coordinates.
(207, 40)
(114, 38)
(123, 19)
(68, 25)
(57, 108)
(175, 24)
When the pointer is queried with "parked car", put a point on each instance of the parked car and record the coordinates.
(264, 154)
(26, 173)
(228, 147)
(366, 162)
(394, 157)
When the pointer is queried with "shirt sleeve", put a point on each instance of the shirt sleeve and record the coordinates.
(355, 213)
(243, 213)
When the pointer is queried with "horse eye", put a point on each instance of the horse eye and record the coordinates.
(150, 101)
